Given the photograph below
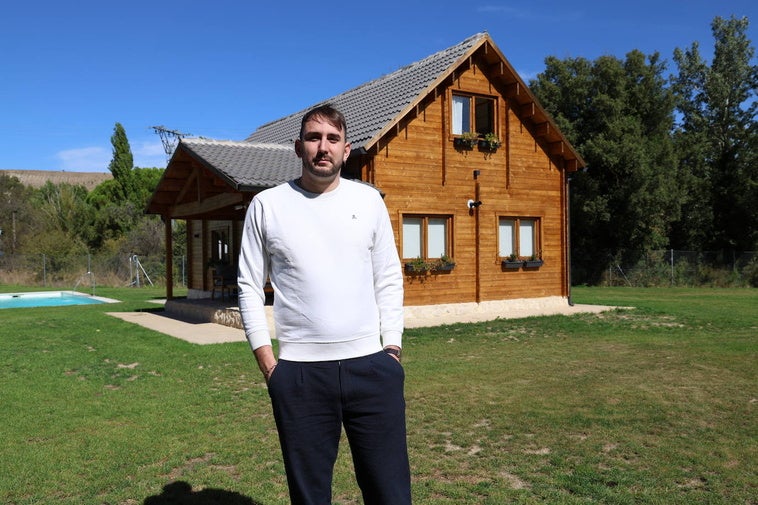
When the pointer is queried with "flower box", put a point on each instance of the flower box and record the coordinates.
(443, 267)
(464, 143)
(415, 268)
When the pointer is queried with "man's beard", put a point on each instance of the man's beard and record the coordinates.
(322, 172)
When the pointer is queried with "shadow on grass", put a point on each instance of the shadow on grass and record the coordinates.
(180, 493)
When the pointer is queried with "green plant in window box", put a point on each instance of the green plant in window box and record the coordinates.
(467, 140)
(418, 265)
(512, 262)
(490, 142)
(444, 264)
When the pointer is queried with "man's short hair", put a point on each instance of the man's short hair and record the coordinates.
(329, 113)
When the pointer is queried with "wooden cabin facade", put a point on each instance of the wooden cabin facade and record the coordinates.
(472, 169)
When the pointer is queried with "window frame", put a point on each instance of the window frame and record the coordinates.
(425, 235)
(472, 113)
(516, 232)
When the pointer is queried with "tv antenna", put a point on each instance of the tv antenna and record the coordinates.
(169, 138)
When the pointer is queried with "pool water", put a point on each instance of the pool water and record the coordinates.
(47, 299)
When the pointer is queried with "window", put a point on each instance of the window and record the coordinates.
(426, 236)
(473, 114)
(519, 236)
(220, 246)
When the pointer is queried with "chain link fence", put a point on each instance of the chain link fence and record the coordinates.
(80, 272)
(670, 267)
(655, 268)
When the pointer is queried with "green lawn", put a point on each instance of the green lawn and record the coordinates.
(650, 405)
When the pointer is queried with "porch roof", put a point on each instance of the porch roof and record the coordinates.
(274, 163)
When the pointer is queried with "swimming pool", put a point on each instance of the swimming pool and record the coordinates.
(48, 299)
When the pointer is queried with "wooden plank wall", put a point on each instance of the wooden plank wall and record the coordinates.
(422, 172)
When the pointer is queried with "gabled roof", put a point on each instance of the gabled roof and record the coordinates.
(211, 167)
(267, 157)
(376, 107)
(371, 107)
(274, 163)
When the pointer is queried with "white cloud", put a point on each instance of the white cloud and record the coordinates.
(96, 159)
(84, 159)
(149, 154)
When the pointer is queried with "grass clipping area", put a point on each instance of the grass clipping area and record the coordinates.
(649, 405)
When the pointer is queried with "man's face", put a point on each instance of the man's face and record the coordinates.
(323, 150)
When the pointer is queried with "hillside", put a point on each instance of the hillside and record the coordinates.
(38, 178)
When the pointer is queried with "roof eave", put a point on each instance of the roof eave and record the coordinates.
(486, 42)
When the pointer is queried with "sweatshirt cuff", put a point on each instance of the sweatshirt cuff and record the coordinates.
(392, 337)
(259, 338)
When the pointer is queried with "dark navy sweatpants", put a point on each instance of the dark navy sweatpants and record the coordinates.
(313, 401)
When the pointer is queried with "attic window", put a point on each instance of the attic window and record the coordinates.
(473, 113)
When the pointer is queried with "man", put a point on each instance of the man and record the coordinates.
(327, 246)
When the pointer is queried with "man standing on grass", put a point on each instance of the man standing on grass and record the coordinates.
(327, 245)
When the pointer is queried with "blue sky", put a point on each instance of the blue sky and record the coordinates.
(70, 70)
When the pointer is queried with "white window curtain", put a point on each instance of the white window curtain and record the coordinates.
(461, 114)
(412, 237)
(437, 234)
(526, 237)
(505, 237)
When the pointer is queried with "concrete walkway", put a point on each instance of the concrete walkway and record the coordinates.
(415, 317)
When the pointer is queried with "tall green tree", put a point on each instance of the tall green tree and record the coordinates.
(716, 141)
(618, 114)
(122, 164)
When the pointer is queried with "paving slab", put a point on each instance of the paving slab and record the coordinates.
(195, 333)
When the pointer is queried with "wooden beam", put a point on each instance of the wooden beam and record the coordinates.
(169, 259)
(542, 129)
(557, 147)
(513, 89)
(207, 205)
(527, 110)
(189, 183)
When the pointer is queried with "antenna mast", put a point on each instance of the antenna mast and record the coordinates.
(169, 139)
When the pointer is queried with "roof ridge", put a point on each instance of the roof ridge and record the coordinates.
(417, 63)
(370, 106)
(240, 143)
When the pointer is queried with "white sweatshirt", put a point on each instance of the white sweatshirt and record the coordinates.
(334, 267)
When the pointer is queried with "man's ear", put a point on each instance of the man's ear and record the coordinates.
(299, 148)
(347, 151)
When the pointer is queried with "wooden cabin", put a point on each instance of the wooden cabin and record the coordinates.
(473, 171)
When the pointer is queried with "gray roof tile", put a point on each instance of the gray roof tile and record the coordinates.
(246, 165)
(370, 107)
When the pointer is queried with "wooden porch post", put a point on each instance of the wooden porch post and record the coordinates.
(169, 258)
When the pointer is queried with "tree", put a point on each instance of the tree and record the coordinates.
(122, 164)
(618, 114)
(120, 202)
(716, 141)
(15, 213)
